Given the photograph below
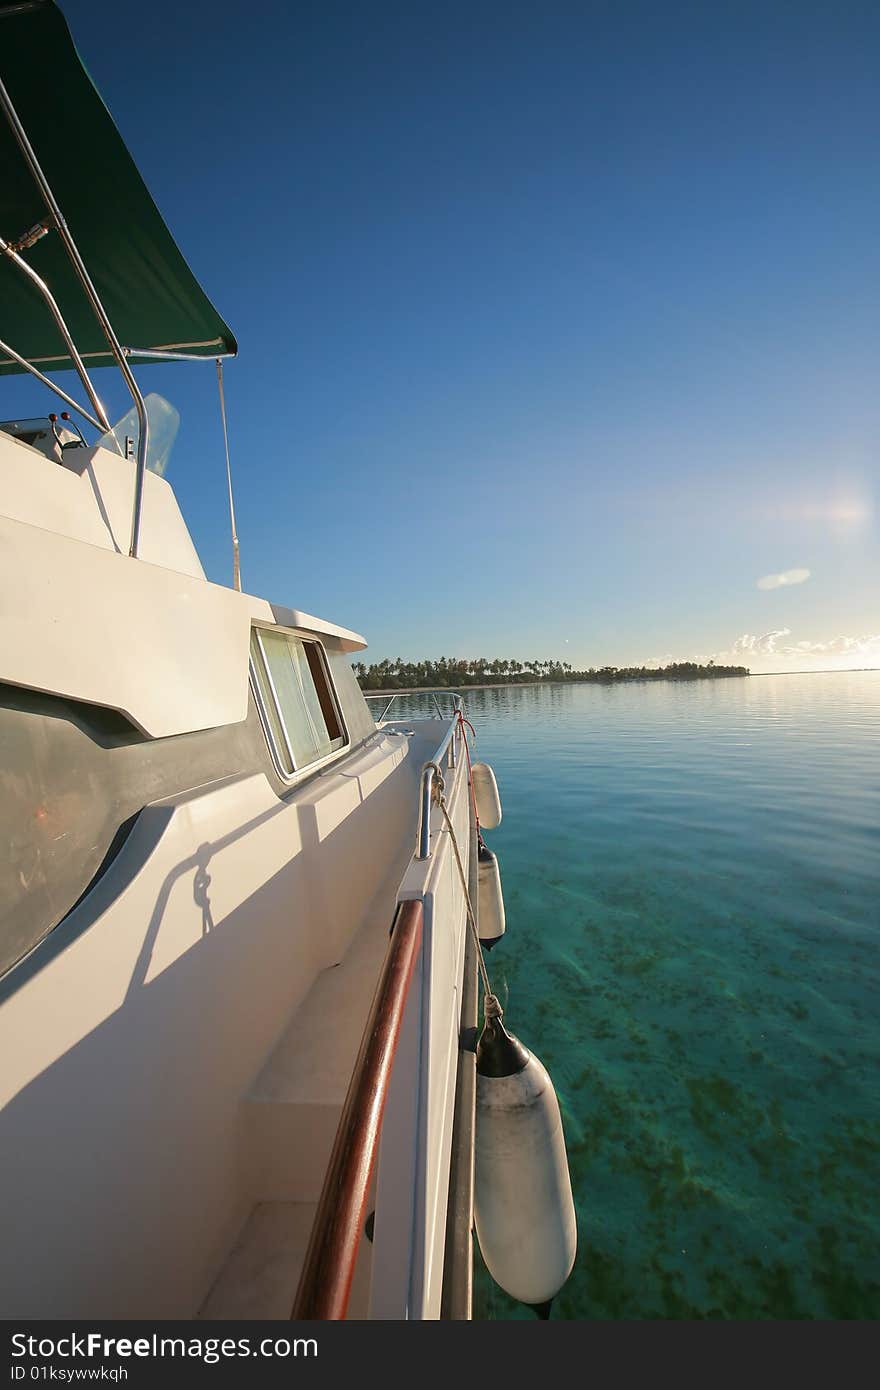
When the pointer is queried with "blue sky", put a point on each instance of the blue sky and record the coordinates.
(558, 323)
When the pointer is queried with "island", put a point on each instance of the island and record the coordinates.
(455, 672)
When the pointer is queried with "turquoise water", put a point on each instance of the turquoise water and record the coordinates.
(691, 876)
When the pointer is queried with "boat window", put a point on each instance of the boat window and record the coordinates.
(296, 698)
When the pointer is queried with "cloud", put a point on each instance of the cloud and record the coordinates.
(855, 646)
(780, 581)
(766, 643)
(770, 651)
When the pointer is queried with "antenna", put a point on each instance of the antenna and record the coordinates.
(236, 569)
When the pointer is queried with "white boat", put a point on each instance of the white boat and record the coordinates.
(235, 960)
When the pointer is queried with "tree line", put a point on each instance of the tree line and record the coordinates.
(460, 671)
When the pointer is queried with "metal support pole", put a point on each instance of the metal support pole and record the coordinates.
(42, 183)
(236, 567)
(75, 358)
(29, 367)
(163, 355)
(386, 709)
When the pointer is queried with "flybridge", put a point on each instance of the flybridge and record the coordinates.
(147, 290)
(83, 283)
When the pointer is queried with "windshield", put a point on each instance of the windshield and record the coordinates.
(164, 422)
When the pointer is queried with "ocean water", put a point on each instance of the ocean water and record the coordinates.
(691, 875)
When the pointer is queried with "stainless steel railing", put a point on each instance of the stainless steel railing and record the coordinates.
(433, 691)
(57, 220)
(447, 749)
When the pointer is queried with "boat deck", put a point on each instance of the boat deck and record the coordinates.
(290, 1121)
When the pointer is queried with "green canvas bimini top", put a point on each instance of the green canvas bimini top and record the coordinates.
(149, 292)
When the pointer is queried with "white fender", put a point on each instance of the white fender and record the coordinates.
(490, 898)
(523, 1206)
(486, 796)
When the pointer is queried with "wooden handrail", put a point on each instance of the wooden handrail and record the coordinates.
(325, 1283)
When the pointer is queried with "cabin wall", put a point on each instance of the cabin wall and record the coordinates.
(164, 537)
(90, 497)
(168, 651)
(71, 775)
(131, 1035)
(150, 638)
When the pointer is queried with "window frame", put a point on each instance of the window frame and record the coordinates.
(275, 753)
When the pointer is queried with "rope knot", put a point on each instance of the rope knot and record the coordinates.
(491, 1008)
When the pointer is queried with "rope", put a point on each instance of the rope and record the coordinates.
(491, 1007)
(462, 721)
(236, 570)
